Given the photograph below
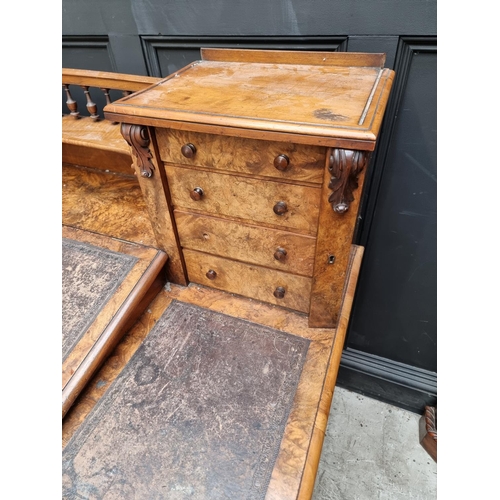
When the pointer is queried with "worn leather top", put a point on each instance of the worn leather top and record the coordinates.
(199, 412)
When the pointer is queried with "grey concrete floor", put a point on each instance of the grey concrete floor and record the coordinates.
(371, 451)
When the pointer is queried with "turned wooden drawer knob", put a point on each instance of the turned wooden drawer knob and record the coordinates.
(280, 254)
(281, 162)
(188, 150)
(279, 293)
(280, 208)
(196, 194)
(211, 275)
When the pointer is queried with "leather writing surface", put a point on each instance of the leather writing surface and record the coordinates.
(198, 412)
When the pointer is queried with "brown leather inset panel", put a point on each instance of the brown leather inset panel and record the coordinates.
(198, 412)
(90, 276)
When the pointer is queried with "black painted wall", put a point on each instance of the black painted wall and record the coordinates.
(391, 347)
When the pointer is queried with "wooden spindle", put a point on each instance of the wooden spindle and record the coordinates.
(106, 95)
(71, 103)
(91, 106)
(108, 100)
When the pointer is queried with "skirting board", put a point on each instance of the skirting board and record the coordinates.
(399, 384)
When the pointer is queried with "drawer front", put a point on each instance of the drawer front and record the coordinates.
(248, 280)
(254, 200)
(280, 160)
(282, 250)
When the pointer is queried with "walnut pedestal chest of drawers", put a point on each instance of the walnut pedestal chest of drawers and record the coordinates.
(252, 164)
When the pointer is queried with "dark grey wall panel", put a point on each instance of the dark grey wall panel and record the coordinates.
(113, 52)
(128, 54)
(387, 45)
(395, 311)
(95, 17)
(87, 52)
(259, 17)
(285, 17)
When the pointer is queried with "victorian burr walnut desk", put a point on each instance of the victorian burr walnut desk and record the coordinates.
(251, 164)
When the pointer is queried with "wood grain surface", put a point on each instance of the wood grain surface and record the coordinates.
(156, 197)
(251, 281)
(105, 203)
(102, 159)
(243, 156)
(365, 144)
(95, 144)
(107, 79)
(305, 99)
(245, 198)
(334, 240)
(102, 134)
(318, 436)
(294, 57)
(246, 242)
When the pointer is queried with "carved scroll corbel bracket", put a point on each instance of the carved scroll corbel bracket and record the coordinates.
(345, 166)
(138, 138)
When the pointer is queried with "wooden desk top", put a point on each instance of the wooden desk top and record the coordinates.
(328, 95)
